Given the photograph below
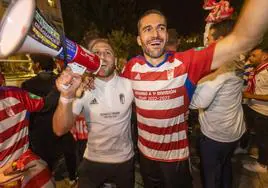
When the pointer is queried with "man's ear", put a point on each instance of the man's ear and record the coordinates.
(264, 57)
(139, 40)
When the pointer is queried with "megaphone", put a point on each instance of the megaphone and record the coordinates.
(24, 30)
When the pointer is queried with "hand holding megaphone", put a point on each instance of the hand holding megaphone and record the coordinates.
(24, 30)
(72, 85)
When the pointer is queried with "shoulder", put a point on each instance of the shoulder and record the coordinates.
(11, 91)
(134, 61)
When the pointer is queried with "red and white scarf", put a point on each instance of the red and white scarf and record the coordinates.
(252, 79)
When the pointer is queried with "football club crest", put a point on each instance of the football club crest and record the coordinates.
(170, 74)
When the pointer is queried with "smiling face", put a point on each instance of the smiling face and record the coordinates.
(106, 54)
(255, 57)
(152, 35)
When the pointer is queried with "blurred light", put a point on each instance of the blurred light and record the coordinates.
(51, 3)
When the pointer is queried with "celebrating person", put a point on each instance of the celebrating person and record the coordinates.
(163, 84)
(218, 97)
(107, 110)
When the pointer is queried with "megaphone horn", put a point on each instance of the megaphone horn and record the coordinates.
(23, 29)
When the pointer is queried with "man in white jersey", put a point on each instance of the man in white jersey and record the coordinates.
(256, 112)
(218, 97)
(107, 110)
(163, 84)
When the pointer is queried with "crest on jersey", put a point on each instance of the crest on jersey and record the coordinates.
(122, 98)
(170, 74)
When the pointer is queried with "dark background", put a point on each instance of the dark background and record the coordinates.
(187, 16)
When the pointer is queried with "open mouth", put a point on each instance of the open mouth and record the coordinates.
(103, 64)
(155, 43)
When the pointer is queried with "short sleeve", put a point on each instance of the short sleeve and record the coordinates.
(31, 102)
(200, 62)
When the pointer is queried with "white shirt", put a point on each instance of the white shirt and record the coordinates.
(220, 111)
(261, 88)
(107, 110)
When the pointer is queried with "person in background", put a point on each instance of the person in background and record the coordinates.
(256, 110)
(80, 134)
(17, 161)
(218, 97)
(43, 141)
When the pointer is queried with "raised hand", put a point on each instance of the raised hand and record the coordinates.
(68, 82)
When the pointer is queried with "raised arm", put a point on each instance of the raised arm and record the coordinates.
(63, 118)
(248, 32)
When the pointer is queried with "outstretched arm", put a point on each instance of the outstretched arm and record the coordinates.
(248, 32)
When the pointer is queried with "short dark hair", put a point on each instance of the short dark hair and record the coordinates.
(222, 29)
(45, 62)
(148, 12)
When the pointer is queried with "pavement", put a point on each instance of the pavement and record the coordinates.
(242, 178)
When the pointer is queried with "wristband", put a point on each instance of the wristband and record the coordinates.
(65, 100)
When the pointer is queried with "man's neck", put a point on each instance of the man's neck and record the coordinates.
(108, 78)
(155, 61)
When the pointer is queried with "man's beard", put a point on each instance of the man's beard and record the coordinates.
(103, 73)
(152, 53)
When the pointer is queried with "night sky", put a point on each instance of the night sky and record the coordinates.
(187, 16)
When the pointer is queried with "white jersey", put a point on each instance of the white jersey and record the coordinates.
(261, 88)
(220, 110)
(107, 110)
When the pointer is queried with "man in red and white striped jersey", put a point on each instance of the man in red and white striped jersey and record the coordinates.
(163, 84)
(15, 106)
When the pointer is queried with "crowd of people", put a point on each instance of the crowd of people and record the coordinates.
(42, 120)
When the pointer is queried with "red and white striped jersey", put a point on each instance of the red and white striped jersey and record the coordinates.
(15, 105)
(80, 130)
(162, 97)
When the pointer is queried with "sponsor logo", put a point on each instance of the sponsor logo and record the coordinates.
(137, 77)
(94, 101)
